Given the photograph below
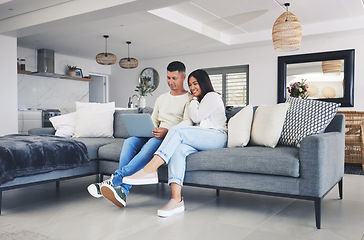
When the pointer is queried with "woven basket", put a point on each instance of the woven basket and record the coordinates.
(354, 137)
(287, 32)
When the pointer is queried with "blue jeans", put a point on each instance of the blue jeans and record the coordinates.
(135, 154)
(183, 141)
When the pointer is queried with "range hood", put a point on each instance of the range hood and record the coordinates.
(45, 63)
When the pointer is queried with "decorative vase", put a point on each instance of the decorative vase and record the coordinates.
(142, 103)
(72, 73)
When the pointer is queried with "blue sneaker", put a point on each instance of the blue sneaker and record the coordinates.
(114, 194)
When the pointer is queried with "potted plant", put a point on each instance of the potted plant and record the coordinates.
(71, 70)
(143, 89)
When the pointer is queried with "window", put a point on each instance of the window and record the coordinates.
(231, 83)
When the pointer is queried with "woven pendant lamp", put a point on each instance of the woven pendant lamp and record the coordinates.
(106, 58)
(333, 66)
(128, 63)
(287, 32)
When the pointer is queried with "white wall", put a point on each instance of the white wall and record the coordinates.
(262, 62)
(8, 86)
(46, 92)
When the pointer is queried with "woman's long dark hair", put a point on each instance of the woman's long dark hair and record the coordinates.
(203, 80)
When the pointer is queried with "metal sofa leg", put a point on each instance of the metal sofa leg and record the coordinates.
(1, 199)
(340, 184)
(318, 212)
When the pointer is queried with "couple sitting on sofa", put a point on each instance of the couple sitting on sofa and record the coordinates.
(174, 139)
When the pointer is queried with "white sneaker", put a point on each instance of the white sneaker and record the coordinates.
(171, 208)
(141, 178)
(94, 189)
(114, 194)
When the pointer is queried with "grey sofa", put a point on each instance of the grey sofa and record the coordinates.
(308, 172)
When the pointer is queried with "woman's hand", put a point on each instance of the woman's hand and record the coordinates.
(160, 133)
(190, 96)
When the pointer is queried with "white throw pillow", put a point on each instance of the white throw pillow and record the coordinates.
(64, 124)
(94, 119)
(267, 124)
(239, 127)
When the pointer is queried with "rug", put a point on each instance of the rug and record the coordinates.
(11, 232)
(353, 169)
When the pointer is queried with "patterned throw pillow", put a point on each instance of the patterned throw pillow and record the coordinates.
(306, 117)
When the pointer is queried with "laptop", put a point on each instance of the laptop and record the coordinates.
(138, 125)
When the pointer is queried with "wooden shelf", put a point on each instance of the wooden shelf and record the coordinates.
(55, 75)
(24, 72)
(77, 78)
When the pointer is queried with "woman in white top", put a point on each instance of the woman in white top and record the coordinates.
(207, 111)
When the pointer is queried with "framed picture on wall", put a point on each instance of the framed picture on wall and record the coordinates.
(79, 73)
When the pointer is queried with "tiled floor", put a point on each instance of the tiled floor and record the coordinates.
(40, 212)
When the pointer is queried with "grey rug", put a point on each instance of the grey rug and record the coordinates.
(353, 169)
(11, 232)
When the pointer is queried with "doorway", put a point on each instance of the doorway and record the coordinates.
(98, 88)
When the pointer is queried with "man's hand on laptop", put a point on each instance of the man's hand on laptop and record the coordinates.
(160, 133)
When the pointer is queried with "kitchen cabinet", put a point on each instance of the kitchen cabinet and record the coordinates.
(29, 119)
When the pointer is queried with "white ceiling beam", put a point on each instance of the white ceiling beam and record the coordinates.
(190, 23)
(307, 30)
(61, 11)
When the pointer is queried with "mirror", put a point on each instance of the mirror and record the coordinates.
(328, 75)
(149, 77)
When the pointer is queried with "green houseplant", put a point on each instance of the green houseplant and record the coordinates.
(145, 87)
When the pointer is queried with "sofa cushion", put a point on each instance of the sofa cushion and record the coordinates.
(267, 124)
(94, 119)
(64, 124)
(306, 117)
(111, 151)
(93, 145)
(239, 127)
(120, 130)
(282, 160)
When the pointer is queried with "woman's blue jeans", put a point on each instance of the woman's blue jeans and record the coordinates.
(183, 141)
(135, 154)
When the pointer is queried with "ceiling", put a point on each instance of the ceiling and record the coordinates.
(160, 28)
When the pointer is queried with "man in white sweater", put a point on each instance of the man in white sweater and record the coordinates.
(170, 109)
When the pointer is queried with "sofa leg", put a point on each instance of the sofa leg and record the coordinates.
(340, 184)
(218, 192)
(1, 199)
(57, 186)
(318, 212)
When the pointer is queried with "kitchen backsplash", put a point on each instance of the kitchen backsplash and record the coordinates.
(50, 93)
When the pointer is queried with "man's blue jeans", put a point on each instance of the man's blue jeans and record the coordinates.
(135, 154)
